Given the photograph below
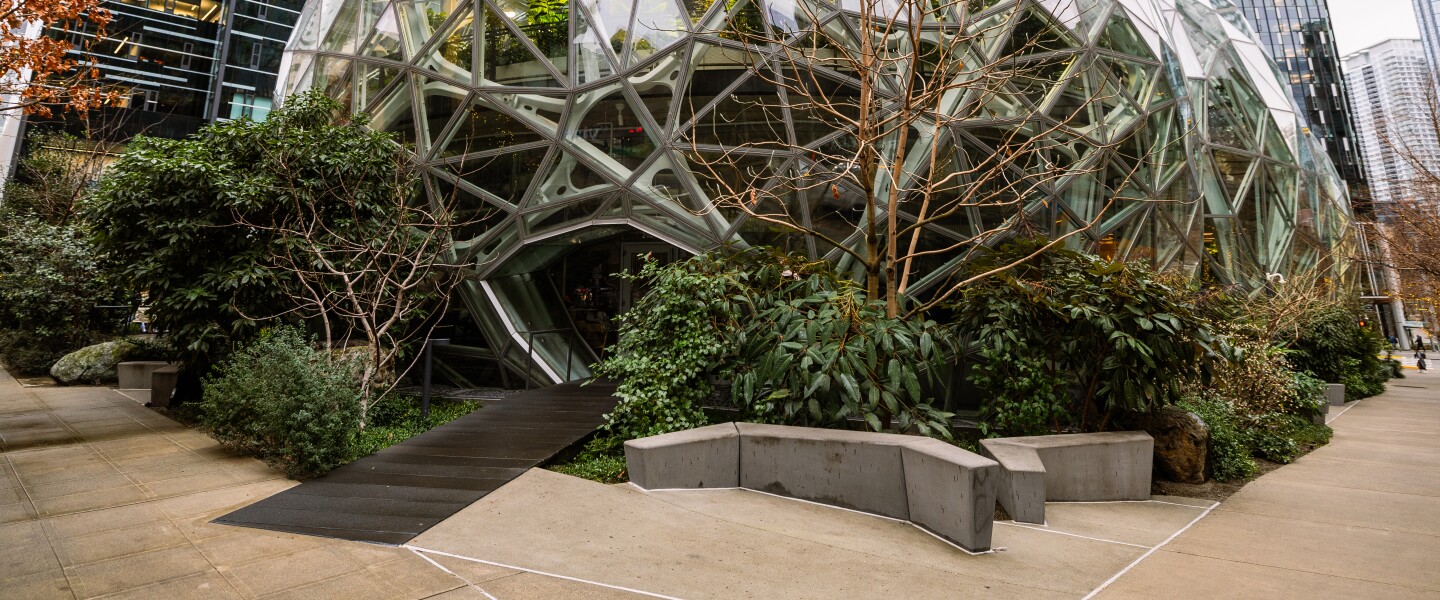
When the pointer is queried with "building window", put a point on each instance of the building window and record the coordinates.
(262, 11)
(185, 52)
(255, 53)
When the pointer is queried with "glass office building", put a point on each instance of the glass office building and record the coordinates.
(575, 128)
(1299, 37)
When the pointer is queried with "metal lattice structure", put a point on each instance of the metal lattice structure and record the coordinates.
(575, 119)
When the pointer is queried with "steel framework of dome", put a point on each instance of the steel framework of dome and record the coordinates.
(562, 121)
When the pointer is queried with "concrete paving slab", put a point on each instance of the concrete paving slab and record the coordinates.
(1176, 576)
(1345, 551)
(1357, 518)
(644, 541)
(1140, 523)
(1341, 506)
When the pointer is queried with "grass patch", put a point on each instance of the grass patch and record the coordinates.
(397, 418)
(602, 460)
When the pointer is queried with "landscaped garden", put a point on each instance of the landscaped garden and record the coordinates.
(295, 279)
(1060, 342)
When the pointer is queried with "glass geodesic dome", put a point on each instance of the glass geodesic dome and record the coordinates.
(562, 122)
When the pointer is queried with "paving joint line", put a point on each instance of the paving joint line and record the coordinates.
(539, 572)
(1116, 577)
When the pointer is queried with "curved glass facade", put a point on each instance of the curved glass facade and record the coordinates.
(566, 122)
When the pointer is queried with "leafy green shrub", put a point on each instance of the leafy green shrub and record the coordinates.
(669, 341)
(815, 352)
(798, 343)
(1280, 438)
(1229, 454)
(51, 280)
(1337, 349)
(1028, 399)
(1119, 337)
(282, 400)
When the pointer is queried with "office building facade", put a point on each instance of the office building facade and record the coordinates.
(1298, 36)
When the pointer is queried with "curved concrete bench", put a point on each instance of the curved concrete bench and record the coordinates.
(1076, 467)
(942, 488)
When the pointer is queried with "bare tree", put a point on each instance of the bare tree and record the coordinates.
(884, 94)
(374, 266)
(1403, 223)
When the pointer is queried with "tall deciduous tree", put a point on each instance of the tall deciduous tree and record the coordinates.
(36, 72)
(889, 90)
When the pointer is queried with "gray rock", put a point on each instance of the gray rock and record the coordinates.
(93, 364)
(1182, 443)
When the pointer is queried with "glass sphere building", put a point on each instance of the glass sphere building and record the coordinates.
(571, 130)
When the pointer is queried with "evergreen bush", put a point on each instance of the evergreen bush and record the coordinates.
(281, 399)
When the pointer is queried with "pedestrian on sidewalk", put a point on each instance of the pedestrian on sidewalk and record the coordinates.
(1420, 361)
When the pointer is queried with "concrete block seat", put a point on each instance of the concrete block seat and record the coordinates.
(135, 374)
(942, 488)
(1335, 394)
(162, 385)
(1079, 467)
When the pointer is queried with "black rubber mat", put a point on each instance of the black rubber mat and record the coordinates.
(396, 494)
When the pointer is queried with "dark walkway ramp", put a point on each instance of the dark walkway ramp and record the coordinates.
(393, 495)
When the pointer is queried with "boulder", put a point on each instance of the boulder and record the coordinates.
(1182, 443)
(93, 364)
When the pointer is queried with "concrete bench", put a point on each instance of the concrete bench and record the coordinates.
(1335, 394)
(162, 385)
(1080, 467)
(942, 488)
(135, 375)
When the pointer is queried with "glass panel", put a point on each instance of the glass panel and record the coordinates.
(750, 115)
(328, 72)
(344, 34)
(421, 18)
(454, 55)
(475, 215)
(385, 43)
(507, 175)
(592, 63)
(607, 130)
(657, 24)
(1231, 169)
(567, 178)
(546, 23)
(395, 114)
(483, 128)
(655, 84)
(1120, 35)
(1035, 33)
(439, 103)
(372, 81)
(564, 215)
(611, 21)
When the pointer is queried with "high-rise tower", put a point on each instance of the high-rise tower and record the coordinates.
(1298, 35)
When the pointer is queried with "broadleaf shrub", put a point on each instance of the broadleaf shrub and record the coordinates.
(798, 344)
(281, 399)
(1119, 337)
(1337, 349)
(1229, 454)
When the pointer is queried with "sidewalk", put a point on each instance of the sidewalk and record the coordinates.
(100, 496)
(1358, 518)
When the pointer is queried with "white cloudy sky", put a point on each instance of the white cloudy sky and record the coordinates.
(1362, 23)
